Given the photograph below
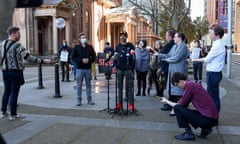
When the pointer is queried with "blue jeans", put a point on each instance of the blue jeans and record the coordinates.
(213, 80)
(12, 84)
(81, 74)
(197, 71)
(74, 70)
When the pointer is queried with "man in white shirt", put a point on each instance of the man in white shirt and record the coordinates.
(214, 64)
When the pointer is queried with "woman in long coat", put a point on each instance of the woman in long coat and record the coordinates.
(177, 59)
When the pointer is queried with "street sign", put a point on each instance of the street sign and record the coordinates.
(105, 66)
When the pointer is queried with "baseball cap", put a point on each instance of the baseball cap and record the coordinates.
(124, 33)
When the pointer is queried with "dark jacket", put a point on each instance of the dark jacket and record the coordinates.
(123, 58)
(108, 50)
(164, 65)
(80, 52)
(68, 49)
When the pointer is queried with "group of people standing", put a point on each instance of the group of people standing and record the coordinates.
(159, 64)
(166, 66)
(206, 102)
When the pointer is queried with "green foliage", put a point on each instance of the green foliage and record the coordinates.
(201, 27)
(167, 14)
(188, 28)
(173, 15)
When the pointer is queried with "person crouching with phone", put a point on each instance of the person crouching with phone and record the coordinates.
(205, 114)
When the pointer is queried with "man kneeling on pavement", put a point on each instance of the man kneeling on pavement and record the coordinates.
(205, 114)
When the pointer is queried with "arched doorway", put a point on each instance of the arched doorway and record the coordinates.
(44, 35)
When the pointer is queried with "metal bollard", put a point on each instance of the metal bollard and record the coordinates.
(2, 141)
(57, 84)
(40, 81)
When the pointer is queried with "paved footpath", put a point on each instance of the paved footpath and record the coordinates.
(59, 121)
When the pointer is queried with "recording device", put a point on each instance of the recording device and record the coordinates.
(159, 98)
(151, 50)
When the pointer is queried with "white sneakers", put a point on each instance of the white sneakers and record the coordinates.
(16, 117)
(12, 117)
(3, 115)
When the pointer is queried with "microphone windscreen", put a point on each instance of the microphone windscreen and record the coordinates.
(132, 52)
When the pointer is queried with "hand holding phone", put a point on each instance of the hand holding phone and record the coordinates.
(151, 50)
(162, 99)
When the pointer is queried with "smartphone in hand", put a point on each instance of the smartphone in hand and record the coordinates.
(151, 50)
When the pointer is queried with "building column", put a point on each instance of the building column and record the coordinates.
(35, 29)
(50, 36)
(67, 30)
(129, 30)
(55, 35)
(108, 31)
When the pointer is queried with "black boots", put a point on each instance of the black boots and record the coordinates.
(143, 92)
(148, 91)
(139, 88)
(138, 93)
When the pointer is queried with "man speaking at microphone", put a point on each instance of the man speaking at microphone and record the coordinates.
(124, 59)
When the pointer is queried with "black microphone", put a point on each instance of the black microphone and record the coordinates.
(106, 60)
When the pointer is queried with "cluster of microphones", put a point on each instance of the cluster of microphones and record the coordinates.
(132, 52)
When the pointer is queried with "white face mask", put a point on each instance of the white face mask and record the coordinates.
(84, 41)
(141, 44)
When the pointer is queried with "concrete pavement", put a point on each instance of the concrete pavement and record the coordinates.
(50, 120)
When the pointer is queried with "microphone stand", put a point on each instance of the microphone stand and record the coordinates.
(108, 83)
(117, 111)
(134, 110)
(122, 111)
